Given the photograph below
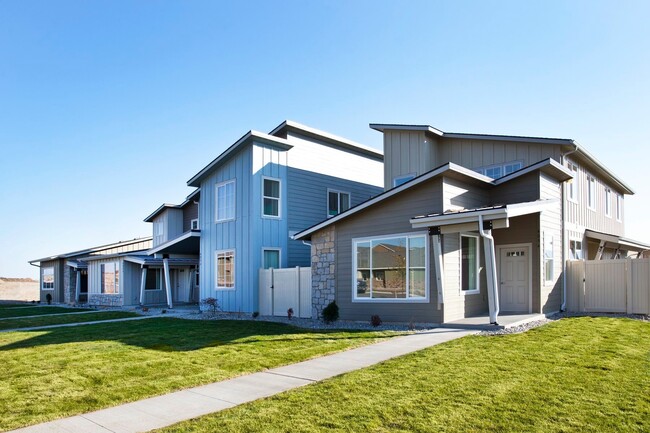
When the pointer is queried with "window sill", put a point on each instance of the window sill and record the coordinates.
(390, 301)
(224, 221)
(225, 289)
(471, 292)
(272, 217)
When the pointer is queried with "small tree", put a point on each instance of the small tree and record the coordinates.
(331, 312)
(213, 303)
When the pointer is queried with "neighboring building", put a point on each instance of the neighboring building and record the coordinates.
(263, 189)
(469, 225)
(66, 276)
(18, 289)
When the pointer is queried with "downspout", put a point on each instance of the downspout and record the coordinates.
(564, 229)
(491, 268)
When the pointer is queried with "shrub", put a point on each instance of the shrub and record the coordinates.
(290, 313)
(375, 320)
(213, 303)
(331, 312)
(256, 314)
(49, 298)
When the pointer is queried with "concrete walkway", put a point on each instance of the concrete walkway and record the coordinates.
(67, 325)
(53, 314)
(165, 410)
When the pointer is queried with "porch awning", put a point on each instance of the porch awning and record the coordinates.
(187, 243)
(77, 264)
(467, 219)
(158, 262)
(616, 242)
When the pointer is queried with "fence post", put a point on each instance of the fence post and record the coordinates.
(272, 294)
(299, 288)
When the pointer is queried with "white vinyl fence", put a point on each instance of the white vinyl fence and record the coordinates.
(281, 289)
(609, 286)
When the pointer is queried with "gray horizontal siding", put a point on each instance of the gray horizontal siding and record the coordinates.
(524, 188)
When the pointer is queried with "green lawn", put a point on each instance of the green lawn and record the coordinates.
(66, 371)
(36, 311)
(58, 320)
(574, 375)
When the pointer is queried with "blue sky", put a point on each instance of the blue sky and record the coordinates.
(107, 108)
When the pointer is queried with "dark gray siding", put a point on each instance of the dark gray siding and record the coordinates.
(57, 293)
(388, 217)
(522, 189)
(307, 205)
(190, 212)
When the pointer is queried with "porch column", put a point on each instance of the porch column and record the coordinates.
(490, 267)
(143, 281)
(77, 289)
(437, 263)
(168, 286)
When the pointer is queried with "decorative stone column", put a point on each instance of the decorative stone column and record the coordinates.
(323, 270)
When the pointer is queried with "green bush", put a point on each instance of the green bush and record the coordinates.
(331, 312)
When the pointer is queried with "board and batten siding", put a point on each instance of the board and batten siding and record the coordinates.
(172, 222)
(578, 214)
(95, 275)
(307, 195)
(386, 218)
(190, 212)
(57, 293)
(407, 152)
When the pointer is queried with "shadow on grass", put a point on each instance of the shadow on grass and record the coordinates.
(175, 335)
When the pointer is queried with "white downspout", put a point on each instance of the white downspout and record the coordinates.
(565, 236)
(491, 268)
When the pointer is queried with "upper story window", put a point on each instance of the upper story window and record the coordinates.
(158, 230)
(399, 180)
(337, 202)
(48, 278)
(392, 268)
(619, 207)
(608, 202)
(110, 277)
(225, 201)
(271, 197)
(591, 192)
(573, 185)
(194, 224)
(499, 170)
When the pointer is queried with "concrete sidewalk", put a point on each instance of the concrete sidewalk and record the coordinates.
(165, 410)
(68, 325)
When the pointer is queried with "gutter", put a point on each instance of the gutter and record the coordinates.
(564, 230)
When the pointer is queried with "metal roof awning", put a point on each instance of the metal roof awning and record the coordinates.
(77, 264)
(158, 262)
(187, 243)
(614, 241)
(467, 219)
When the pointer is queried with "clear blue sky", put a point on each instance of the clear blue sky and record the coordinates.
(107, 108)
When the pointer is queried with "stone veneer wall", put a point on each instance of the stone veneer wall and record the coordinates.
(69, 284)
(106, 300)
(323, 270)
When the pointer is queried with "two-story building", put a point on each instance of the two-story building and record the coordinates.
(468, 225)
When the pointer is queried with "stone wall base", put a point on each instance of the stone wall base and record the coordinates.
(105, 300)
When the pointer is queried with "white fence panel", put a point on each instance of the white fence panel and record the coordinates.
(639, 289)
(605, 286)
(281, 289)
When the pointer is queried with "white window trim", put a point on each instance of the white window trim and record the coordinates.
(408, 177)
(619, 207)
(478, 264)
(573, 168)
(591, 192)
(192, 221)
(43, 279)
(158, 275)
(216, 270)
(425, 299)
(118, 267)
(502, 166)
(338, 192)
(608, 202)
(552, 259)
(279, 198)
(572, 240)
(216, 200)
(279, 250)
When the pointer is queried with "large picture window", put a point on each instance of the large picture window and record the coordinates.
(469, 267)
(225, 261)
(337, 202)
(48, 278)
(225, 201)
(391, 268)
(271, 199)
(110, 277)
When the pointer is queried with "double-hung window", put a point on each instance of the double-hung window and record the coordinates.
(608, 202)
(48, 278)
(110, 277)
(619, 207)
(391, 268)
(225, 265)
(271, 197)
(549, 272)
(225, 201)
(337, 202)
(469, 264)
(591, 192)
(575, 250)
(573, 185)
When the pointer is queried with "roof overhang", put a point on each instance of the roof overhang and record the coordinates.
(613, 241)
(89, 251)
(187, 243)
(548, 166)
(467, 220)
(156, 262)
(77, 264)
(160, 210)
(246, 139)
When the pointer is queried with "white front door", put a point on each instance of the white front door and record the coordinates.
(181, 285)
(514, 279)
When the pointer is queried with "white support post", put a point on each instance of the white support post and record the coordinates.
(77, 289)
(438, 265)
(491, 268)
(168, 286)
(143, 281)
